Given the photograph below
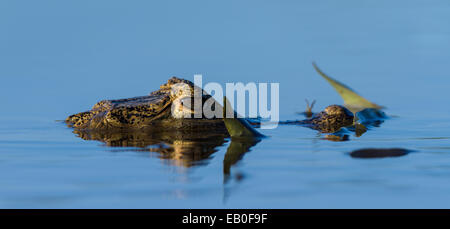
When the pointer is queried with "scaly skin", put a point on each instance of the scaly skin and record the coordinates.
(181, 148)
(330, 120)
(154, 112)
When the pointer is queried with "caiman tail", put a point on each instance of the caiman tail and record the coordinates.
(237, 127)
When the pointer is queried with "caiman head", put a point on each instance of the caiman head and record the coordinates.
(330, 120)
(167, 106)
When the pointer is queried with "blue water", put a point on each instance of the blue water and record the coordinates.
(59, 58)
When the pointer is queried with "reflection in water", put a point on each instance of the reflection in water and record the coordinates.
(181, 148)
(235, 152)
(340, 136)
(379, 153)
(337, 137)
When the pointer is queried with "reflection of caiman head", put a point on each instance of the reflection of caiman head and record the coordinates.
(179, 147)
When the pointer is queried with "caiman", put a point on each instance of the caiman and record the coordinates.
(155, 112)
(330, 120)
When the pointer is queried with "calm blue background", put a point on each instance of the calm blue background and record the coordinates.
(61, 57)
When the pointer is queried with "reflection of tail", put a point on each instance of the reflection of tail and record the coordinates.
(235, 152)
(237, 127)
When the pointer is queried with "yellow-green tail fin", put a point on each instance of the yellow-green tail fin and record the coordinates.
(352, 100)
(237, 127)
